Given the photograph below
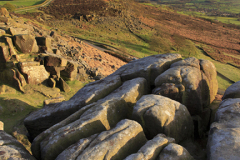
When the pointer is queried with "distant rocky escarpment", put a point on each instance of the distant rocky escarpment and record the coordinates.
(31, 54)
(144, 110)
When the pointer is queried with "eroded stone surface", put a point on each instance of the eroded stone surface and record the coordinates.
(233, 91)
(175, 152)
(42, 119)
(158, 114)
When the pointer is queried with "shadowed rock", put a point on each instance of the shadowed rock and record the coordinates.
(191, 82)
(10, 148)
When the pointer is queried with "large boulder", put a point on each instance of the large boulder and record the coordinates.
(175, 152)
(158, 114)
(26, 43)
(233, 91)
(192, 82)
(10, 148)
(4, 12)
(152, 148)
(224, 134)
(148, 67)
(126, 138)
(40, 120)
(33, 72)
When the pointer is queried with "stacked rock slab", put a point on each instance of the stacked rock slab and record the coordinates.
(148, 68)
(124, 139)
(94, 118)
(192, 82)
(10, 148)
(224, 135)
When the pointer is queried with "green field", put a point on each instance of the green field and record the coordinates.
(22, 3)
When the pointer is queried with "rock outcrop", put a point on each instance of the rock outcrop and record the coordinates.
(224, 134)
(85, 127)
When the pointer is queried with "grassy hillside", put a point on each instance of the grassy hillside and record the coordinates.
(226, 11)
(22, 3)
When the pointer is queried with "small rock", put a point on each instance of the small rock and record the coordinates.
(54, 100)
(1, 125)
(64, 86)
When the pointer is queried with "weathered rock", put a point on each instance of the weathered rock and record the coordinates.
(10, 44)
(34, 74)
(11, 76)
(4, 12)
(54, 100)
(4, 54)
(55, 61)
(189, 85)
(129, 93)
(70, 71)
(10, 148)
(40, 120)
(148, 67)
(76, 149)
(224, 135)
(17, 31)
(64, 86)
(1, 126)
(223, 143)
(2, 32)
(26, 43)
(175, 152)
(46, 42)
(158, 114)
(103, 116)
(126, 138)
(233, 91)
(54, 64)
(209, 70)
(152, 148)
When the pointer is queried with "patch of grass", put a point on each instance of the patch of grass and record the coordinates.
(22, 3)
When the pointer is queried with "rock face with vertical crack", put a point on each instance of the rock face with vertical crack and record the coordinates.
(224, 135)
(192, 82)
(158, 114)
